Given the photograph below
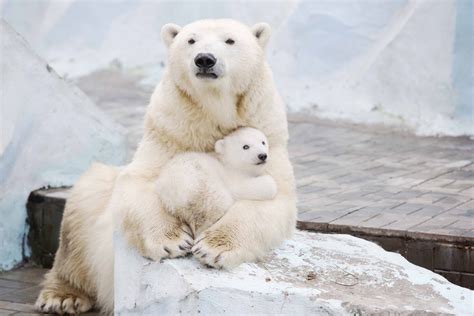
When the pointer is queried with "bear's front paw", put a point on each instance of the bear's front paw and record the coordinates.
(216, 248)
(177, 242)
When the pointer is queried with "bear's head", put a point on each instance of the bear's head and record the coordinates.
(245, 150)
(215, 54)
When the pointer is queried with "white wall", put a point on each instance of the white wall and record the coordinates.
(50, 132)
(398, 62)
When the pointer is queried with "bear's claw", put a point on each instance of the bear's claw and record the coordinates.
(49, 302)
(209, 257)
(178, 246)
(188, 231)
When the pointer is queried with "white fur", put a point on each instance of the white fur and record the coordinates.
(215, 181)
(186, 113)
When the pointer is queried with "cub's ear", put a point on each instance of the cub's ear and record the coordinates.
(219, 146)
(169, 32)
(262, 31)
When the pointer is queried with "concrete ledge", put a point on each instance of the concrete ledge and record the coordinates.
(450, 256)
(45, 209)
(310, 274)
(374, 231)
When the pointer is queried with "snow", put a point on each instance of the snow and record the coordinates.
(404, 63)
(331, 274)
(50, 133)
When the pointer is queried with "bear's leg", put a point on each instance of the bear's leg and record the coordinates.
(59, 297)
(209, 206)
(178, 185)
(246, 232)
(139, 215)
(250, 229)
(194, 193)
(71, 285)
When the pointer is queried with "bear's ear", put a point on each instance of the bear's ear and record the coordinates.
(169, 32)
(219, 146)
(262, 32)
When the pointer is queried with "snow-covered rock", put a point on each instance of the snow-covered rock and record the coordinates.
(315, 274)
(406, 63)
(50, 133)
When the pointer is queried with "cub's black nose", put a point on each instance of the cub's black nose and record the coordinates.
(205, 61)
(262, 157)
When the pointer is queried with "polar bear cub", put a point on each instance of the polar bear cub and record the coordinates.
(199, 188)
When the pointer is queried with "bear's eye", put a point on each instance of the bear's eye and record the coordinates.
(246, 147)
(230, 41)
(263, 143)
(191, 41)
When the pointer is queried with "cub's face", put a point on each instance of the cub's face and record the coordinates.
(210, 53)
(245, 149)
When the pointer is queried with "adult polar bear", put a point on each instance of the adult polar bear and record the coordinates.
(216, 80)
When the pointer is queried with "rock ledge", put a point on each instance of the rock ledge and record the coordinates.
(310, 274)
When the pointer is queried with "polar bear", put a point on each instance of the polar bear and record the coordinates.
(216, 80)
(199, 188)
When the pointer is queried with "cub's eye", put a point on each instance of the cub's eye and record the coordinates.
(263, 143)
(246, 147)
(230, 41)
(191, 41)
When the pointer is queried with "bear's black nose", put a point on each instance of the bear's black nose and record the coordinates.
(205, 61)
(262, 157)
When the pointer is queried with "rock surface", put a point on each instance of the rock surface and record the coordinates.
(49, 134)
(310, 274)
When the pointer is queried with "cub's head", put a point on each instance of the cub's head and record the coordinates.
(245, 150)
(215, 53)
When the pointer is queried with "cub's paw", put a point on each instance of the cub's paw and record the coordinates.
(268, 187)
(58, 303)
(176, 242)
(217, 249)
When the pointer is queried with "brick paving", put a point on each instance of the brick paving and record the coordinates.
(370, 178)
(122, 98)
(19, 289)
(377, 178)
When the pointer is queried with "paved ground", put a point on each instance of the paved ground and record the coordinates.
(373, 177)
(346, 175)
(18, 290)
(121, 98)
